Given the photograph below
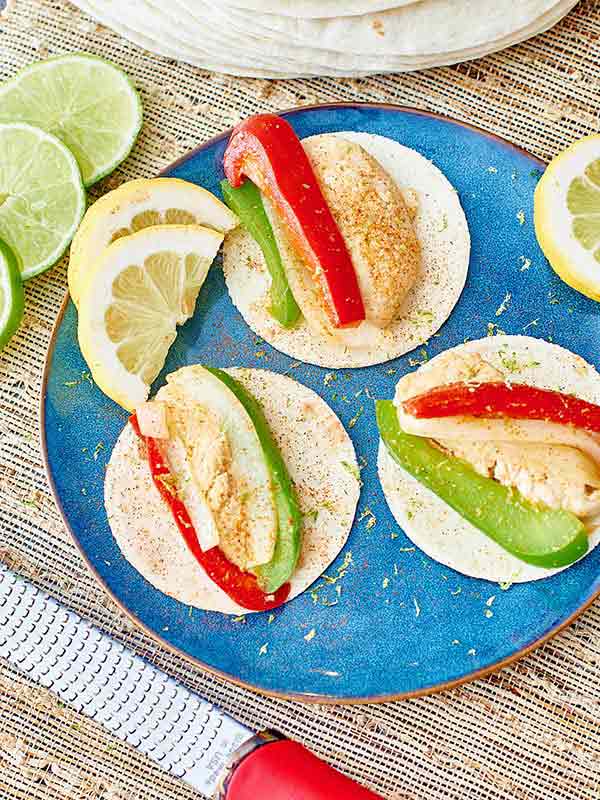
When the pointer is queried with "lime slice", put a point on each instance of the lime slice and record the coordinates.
(136, 293)
(87, 102)
(11, 294)
(42, 199)
(567, 215)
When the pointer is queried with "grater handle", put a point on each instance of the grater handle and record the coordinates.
(285, 770)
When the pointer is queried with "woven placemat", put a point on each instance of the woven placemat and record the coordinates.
(531, 732)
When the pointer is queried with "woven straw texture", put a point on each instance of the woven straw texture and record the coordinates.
(527, 733)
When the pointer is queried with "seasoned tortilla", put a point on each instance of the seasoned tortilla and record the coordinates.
(443, 233)
(321, 461)
(436, 528)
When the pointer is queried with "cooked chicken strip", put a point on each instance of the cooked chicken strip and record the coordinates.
(547, 462)
(200, 457)
(374, 220)
(558, 476)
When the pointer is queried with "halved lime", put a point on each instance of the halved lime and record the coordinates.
(11, 294)
(86, 102)
(42, 199)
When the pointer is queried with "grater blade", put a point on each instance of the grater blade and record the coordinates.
(98, 676)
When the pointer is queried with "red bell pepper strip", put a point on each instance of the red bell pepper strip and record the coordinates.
(265, 149)
(514, 400)
(241, 587)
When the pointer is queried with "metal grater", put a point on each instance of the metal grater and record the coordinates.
(96, 675)
(186, 735)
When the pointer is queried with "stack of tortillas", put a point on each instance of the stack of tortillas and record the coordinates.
(300, 38)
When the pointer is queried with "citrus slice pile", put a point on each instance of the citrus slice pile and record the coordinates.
(86, 102)
(64, 124)
(567, 215)
(136, 205)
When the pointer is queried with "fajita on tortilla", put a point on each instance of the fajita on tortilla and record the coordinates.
(490, 458)
(234, 490)
(399, 222)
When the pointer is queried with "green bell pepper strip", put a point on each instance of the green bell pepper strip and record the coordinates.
(533, 533)
(246, 202)
(279, 570)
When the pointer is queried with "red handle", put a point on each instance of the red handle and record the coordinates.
(286, 770)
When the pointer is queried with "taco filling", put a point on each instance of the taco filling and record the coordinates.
(216, 467)
(519, 462)
(336, 220)
(352, 248)
(228, 490)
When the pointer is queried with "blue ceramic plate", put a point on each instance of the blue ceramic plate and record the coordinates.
(403, 624)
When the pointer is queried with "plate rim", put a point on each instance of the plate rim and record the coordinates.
(308, 697)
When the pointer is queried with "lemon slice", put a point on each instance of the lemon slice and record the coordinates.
(567, 215)
(136, 205)
(136, 294)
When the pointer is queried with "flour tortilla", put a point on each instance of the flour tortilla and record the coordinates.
(436, 528)
(444, 235)
(317, 8)
(258, 37)
(321, 461)
(179, 36)
(200, 33)
(141, 34)
(199, 41)
(434, 27)
(190, 16)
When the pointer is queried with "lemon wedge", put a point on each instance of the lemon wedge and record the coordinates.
(135, 295)
(137, 205)
(567, 215)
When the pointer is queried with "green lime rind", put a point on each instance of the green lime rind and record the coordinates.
(87, 102)
(42, 197)
(12, 296)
